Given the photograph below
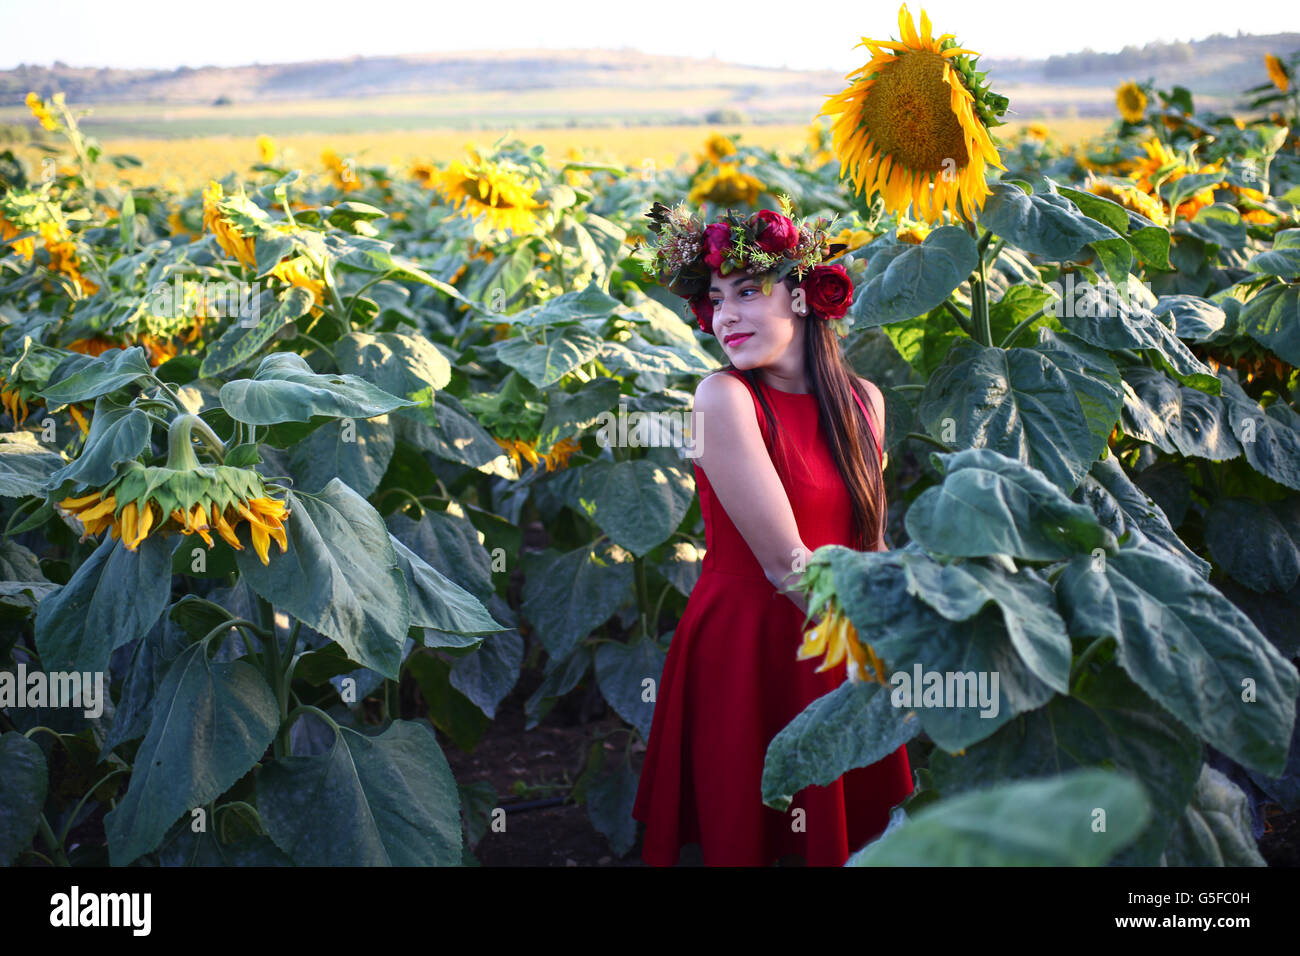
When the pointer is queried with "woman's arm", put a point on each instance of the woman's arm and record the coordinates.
(877, 399)
(743, 477)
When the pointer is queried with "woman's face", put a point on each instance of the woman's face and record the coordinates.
(772, 333)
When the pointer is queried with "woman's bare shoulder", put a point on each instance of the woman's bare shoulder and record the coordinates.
(877, 398)
(721, 390)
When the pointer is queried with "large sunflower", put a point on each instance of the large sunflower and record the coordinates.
(914, 124)
(499, 197)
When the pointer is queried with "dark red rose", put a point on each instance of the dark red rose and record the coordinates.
(703, 309)
(829, 291)
(717, 238)
(775, 232)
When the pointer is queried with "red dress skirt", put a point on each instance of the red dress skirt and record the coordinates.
(732, 681)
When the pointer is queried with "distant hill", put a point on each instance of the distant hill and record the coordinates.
(426, 74)
(583, 88)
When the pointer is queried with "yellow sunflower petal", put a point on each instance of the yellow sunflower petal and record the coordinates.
(226, 531)
(105, 507)
(128, 525)
(261, 542)
(73, 504)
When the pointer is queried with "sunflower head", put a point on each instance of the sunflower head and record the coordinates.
(216, 220)
(836, 640)
(717, 148)
(265, 148)
(163, 500)
(1128, 196)
(182, 495)
(299, 271)
(914, 123)
(42, 112)
(1131, 102)
(1277, 72)
(728, 185)
(495, 194)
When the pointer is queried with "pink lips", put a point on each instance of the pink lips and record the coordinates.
(734, 339)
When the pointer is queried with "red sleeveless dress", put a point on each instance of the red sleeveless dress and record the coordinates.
(732, 681)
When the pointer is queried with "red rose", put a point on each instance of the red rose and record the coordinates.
(775, 233)
(702, 306)
(829, 290)
(717, 239)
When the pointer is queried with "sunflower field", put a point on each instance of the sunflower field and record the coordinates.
(308, 466)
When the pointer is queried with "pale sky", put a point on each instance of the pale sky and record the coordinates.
(796, 33)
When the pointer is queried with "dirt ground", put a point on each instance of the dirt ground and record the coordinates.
(554, 753)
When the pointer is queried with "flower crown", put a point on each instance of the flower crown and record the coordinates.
(768, 245)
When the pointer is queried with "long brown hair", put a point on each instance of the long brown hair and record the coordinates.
(847, 433)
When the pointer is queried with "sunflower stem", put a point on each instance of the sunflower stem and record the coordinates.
(180, 448)
(173, 398)
(921, 436)
(961, 318)
(1021, 326)
(275, 674)
(56, 850)
(642, 596)
(1089, 653)
(19, 510)
(985, 327)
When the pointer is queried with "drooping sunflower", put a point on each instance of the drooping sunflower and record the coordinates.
(178, 227)
(228, 236)
(717, 148)
(58, 243)
(182, 496)
(914, 124)
(42, 112)
(63, 258)
(819, 144)
(158, 348)
(424, 174)
(1131, 102)
(1277, 72)
(1162, 164)
(851, 239)
(1128, 196)
(497, 196)
(24, 247)
(913, 233)
(14, 397)
(23, 378)
(729, 186)
(837, 638)
(299, 271)
(345, 177)
(558, 457)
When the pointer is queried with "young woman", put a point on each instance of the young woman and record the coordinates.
(789, 460)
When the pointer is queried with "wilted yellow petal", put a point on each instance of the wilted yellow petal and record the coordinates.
(261, 542)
